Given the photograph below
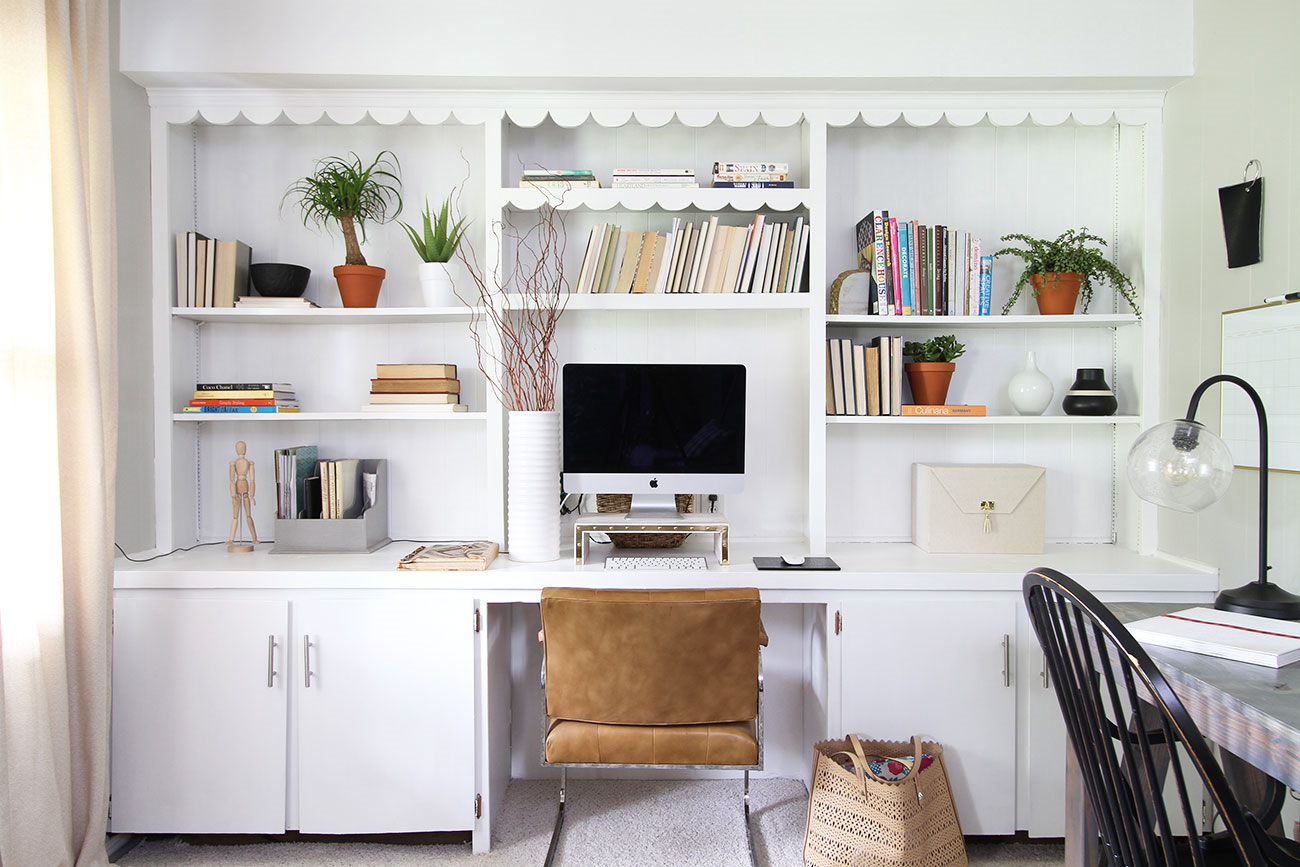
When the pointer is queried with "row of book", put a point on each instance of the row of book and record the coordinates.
(415, 387)
(243, 397)
(919, 270)
(210, 273)
(765, 256)
(309, 488)
(746, 175)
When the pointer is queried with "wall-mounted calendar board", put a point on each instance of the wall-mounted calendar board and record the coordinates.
(1262, 346)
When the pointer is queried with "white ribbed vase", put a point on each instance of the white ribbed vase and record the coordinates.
(533, 486)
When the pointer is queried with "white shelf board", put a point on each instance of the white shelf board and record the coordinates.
(898, 566)
(683, 301)
(1076, 320)
(985, 420)
(362, 415)
(324, 315)
(701, 198)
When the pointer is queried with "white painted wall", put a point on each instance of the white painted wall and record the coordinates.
(224, 41)
(130, 120)
(1242, 104)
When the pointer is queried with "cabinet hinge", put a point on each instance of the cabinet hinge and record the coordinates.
(839, 622)
(478, 621)
(478, 806)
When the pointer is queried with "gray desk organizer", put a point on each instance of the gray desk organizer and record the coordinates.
(361, 535)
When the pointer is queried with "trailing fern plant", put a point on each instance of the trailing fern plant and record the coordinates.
(942, 349)
(441, 236)
(1069, 253)
(347, 191)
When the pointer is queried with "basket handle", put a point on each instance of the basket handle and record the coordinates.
(862, 762)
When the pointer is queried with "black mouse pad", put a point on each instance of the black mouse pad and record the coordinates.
(810, 564)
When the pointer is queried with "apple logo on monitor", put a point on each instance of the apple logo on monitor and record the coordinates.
(654, 483)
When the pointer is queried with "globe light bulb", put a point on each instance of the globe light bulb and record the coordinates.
(1180, 465)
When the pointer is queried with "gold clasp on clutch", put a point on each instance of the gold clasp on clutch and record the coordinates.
(987, 507)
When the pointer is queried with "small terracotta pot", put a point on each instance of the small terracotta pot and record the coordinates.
(359, 284)
(930, 381)
(1057, 293)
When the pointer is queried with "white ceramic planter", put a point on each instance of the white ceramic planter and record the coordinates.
(533, 486)
(435, 283)
(1030, 391)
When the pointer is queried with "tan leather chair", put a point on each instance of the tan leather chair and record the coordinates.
(652, 679)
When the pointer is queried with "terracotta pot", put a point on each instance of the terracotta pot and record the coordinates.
(929, 381)
(359, 284)
(1057, 294)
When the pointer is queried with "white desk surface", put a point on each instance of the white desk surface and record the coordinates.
(864, 567)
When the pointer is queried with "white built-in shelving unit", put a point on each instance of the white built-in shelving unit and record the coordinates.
(987, 163)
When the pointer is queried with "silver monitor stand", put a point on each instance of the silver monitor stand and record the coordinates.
(654, 507)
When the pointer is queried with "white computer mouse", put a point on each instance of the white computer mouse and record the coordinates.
(792, 559)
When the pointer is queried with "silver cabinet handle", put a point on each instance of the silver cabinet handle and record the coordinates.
(1006, 660)
(1046, 675)
(270, 661)
(306, 661)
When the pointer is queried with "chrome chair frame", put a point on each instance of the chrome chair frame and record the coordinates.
(558, 828)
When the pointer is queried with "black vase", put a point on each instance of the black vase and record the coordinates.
(1090, 395)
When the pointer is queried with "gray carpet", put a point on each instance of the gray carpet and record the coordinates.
(667, 823)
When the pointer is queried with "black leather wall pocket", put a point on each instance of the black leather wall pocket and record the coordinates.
(1242, 206)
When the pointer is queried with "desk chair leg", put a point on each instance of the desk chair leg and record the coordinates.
(559, 821)
(749, 831)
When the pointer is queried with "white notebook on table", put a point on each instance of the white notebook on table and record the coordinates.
(1239, 637)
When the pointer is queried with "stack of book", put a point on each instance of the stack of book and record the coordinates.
(210, 273)
(657, 179)
(919, 270)
(258, 302)
(867, 379)
(755, 176)
(243, 397)
(559, 179)
(765, 256)
(421, 388)
(293, 467)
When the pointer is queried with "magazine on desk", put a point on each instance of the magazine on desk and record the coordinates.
(1239, 637)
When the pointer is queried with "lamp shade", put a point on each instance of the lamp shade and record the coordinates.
(1180, 465)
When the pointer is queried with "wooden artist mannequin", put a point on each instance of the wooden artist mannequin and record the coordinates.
(243, 496)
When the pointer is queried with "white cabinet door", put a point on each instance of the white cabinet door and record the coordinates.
(935, 667)
(1042, 743)
(198, 718)
(385, 736)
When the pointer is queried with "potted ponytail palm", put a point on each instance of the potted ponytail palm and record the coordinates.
(346, 191)
(1062, 270)
(435, 246)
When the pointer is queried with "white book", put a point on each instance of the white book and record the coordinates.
(752, 240)
(702, 260)
(836, 373)
(774, 256)
(620, 248)
(803, 258)
(584, 275)
(850, 387)
(691, 280)
(670, 250)
(1225, 634)
(683, 244)
(760, 263)
(791, 284)
(210, 275)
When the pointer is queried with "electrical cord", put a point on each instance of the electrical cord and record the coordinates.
(168, 554)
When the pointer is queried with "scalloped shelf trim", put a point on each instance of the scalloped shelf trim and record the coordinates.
(702, 198)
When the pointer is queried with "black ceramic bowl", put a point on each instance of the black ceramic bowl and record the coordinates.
(279, 280)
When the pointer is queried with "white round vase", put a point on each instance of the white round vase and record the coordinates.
(1030, 390)
(435, 284)
(533, 487)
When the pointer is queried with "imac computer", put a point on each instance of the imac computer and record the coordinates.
(654, 430)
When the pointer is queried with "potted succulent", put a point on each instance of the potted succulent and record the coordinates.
(347, 191)
(931, 368)
(1063, 269)
(435, 246)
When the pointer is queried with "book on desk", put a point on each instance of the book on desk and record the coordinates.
(1227, 635)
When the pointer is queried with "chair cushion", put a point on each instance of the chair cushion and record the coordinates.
(574, 742)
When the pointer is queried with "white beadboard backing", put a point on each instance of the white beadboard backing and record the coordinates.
(988, 163)
(671, 145)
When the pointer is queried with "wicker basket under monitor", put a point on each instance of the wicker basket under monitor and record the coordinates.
(623, 503)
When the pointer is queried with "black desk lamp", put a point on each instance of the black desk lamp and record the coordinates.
(1183, 465)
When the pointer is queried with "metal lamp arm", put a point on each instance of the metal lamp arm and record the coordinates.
(1263, 455)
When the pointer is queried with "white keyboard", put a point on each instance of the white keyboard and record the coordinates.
(675, 563)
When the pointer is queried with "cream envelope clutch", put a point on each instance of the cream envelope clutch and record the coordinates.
(979, 508)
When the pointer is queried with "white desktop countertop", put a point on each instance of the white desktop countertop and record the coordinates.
(864, 567)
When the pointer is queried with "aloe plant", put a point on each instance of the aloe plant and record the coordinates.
(441, 236)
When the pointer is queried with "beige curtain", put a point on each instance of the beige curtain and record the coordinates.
(57, 390)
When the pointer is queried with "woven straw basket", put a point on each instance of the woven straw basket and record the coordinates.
(856, 819)
(623, 503)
